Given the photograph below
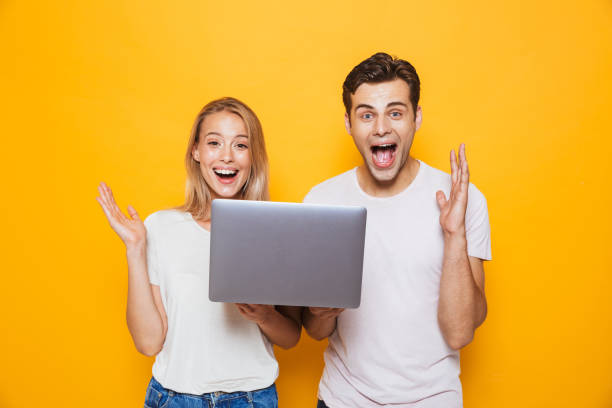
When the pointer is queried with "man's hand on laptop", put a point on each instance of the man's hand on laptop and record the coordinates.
(320, 322)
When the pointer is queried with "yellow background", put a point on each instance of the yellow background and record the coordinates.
(108, 90)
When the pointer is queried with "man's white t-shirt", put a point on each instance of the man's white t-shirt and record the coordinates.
(209, 346)
(390, 351)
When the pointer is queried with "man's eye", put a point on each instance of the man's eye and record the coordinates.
(396, 114)
(367, 116)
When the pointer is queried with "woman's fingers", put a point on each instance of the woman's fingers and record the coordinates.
(119, 215)
(106, 197)
(103, 205)
(245, 308)
(103, 200)
(133, 213)
(112, 211)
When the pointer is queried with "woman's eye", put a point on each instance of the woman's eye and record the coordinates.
(242, 146)
(213, 143)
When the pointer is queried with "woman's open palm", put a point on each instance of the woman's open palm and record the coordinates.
(130, 230)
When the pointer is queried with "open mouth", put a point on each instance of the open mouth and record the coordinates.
(226, 176)
(383, 155)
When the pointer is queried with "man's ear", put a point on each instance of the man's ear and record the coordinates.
(347, 123)
(419, 117)
(195, 153)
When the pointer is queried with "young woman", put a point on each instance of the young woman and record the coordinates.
(207, 354)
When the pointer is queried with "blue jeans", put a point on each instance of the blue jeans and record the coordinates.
(160, 397)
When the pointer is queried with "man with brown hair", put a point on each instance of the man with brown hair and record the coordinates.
(427, 235)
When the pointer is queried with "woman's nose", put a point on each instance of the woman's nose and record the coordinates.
(227, 154)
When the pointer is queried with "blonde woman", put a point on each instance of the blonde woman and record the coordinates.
(207, 354)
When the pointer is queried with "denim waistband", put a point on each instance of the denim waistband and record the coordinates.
(215, 395)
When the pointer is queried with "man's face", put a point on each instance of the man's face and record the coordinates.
(382, 123)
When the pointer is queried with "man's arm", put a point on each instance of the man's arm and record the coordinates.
(462, 304)
(320, 322)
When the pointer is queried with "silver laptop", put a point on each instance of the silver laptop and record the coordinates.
(291, 254)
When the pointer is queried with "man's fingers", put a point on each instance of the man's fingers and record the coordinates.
(454, 168)
(326, 312)
(441, 199)
(465, 173)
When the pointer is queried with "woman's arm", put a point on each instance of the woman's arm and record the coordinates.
(282, 325)
(146, 317)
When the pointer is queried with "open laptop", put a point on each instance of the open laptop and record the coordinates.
(290, 254)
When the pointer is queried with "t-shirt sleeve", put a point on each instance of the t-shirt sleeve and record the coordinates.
(152, 259)
(308, 199)
(478, 230)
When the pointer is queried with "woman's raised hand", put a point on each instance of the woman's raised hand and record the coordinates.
(131, 231)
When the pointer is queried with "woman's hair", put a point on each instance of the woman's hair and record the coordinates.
(197, 191)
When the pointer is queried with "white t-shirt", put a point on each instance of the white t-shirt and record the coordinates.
(390, 351)
(209, 346)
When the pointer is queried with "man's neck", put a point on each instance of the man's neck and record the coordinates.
(377, 188)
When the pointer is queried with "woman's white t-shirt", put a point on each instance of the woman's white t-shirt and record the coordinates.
(209, 346)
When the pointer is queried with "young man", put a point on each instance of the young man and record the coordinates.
(427, 234)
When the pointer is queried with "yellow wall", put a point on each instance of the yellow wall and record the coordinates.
(107, 91)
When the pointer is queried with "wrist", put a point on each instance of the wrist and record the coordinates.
(266, 317)
(455, 234)
(136, 247)
(455, 238)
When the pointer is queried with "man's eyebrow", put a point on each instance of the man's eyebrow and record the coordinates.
(363, 105)
(390, 104)
(396, 103)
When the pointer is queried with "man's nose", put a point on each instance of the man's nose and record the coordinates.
(382, 125)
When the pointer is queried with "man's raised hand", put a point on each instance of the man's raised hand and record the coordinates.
(452, 210)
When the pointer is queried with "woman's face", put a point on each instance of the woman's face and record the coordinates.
(223, 153)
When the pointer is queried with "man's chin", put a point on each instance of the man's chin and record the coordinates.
(385, 175)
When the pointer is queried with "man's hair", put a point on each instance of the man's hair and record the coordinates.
(381, 67)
